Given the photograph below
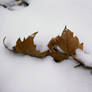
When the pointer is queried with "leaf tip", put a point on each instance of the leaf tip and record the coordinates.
(34, 34)
(65, 27)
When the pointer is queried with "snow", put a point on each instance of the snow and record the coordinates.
(85, 58)
(5, 1)
(22, 73)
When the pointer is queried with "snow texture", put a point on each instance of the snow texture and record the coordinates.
(85, 58)
(22, 73)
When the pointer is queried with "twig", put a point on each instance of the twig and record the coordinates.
(81, 63)
(78, 65)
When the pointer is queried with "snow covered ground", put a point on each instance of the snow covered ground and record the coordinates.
(19, 73)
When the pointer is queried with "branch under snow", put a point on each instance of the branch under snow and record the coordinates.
(83, 58)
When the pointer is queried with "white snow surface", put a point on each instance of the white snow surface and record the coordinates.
(5, 1)
(22, 73)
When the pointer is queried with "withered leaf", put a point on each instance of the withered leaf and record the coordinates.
(28, 47)
(58, 56)
(67, 43)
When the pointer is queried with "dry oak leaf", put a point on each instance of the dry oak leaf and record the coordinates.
(27, 47)
(67, 43)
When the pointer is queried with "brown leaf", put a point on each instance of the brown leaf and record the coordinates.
(67, 43)
(58, 56)
(28, 47)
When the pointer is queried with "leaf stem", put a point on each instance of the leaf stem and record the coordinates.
(6, 45)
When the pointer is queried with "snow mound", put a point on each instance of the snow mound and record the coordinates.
(84, 57)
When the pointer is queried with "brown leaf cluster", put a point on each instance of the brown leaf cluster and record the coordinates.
(66, 42)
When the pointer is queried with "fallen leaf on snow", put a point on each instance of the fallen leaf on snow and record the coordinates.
(67, 43)
(27, 47)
